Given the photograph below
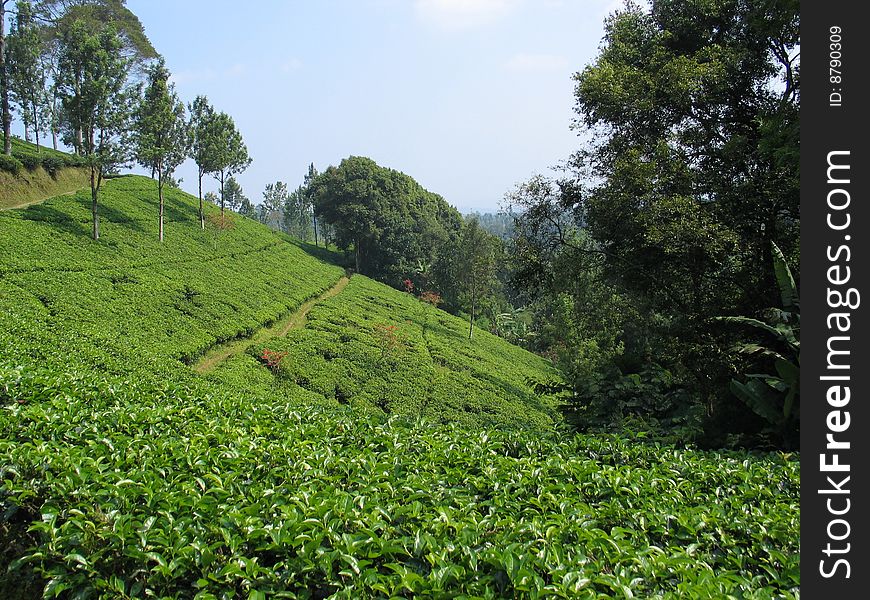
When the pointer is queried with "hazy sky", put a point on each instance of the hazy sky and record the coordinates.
(469, 97)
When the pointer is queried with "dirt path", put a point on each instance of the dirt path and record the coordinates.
(281, 328)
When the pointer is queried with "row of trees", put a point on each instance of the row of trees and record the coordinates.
(83, 69)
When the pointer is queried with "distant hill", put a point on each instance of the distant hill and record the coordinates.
(498, 224)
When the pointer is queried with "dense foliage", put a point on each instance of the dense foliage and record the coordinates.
(665, 220)
(386, 217)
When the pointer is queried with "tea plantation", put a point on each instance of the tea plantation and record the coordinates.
(373, 451)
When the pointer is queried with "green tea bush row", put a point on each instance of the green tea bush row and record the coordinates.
(380, 454)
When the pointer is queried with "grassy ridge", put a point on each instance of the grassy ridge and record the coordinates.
(371, 462)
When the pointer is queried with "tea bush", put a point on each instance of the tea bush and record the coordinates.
(383, 455)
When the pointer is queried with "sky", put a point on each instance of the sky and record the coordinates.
(468, 97)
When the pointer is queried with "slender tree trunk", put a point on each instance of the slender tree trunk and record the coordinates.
(357, 255)
(201, 211)
(54, 138)
(160, 196)
(36, 126)
(26, 131)
(471, 324)
(222, 197)
(94, 190)
(314, 216)
(4, 84)
(79, 143)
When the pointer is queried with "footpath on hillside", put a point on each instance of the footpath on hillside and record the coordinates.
(280, 328)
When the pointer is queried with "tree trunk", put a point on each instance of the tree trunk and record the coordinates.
(471, 323)
(94, 202)
(36, 126)
(54, 138)
(357, 255)
(222, 197)
(4, 84)
(79, 143)
(201, 211)
(314, 216)
(160, 196)
(26, 131)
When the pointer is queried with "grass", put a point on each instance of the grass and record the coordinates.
(382, 455)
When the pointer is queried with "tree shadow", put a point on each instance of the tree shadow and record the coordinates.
(334, 257)
(57, 219)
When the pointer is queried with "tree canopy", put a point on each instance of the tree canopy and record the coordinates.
(668, 214)
(385, 216)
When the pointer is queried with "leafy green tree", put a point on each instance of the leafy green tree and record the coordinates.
(160, 132)
(231, 155)
(690, 173)
(475, 267)
(233, 194)
(91, 81)
(202, 143)
(58, 17)
(5, 109)
(275, 198)
(25, 71)
(50, 59)
(296, 213)
(385, 216)
(306, 202)
(247, 209)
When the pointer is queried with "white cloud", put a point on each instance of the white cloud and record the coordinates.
(463, 14)
(537, 62)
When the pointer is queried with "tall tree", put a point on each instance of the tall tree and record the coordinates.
(247, 209)
(160, 132)
(49, 60)
(297, 213)
(6, 110)
(308, 198)
(25, 74)
(275, 198)
(231, 154)
(388, 219)
(202, 143)
(233, 194)
(690, 172)
(475, 267)
(91, 81)
(60, 15)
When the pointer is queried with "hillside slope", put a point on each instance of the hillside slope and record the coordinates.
(30, 176)
(374, 452)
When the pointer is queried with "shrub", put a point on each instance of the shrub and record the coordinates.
(29, 160)
(52, 164)
(10, 164)
(73, 160)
